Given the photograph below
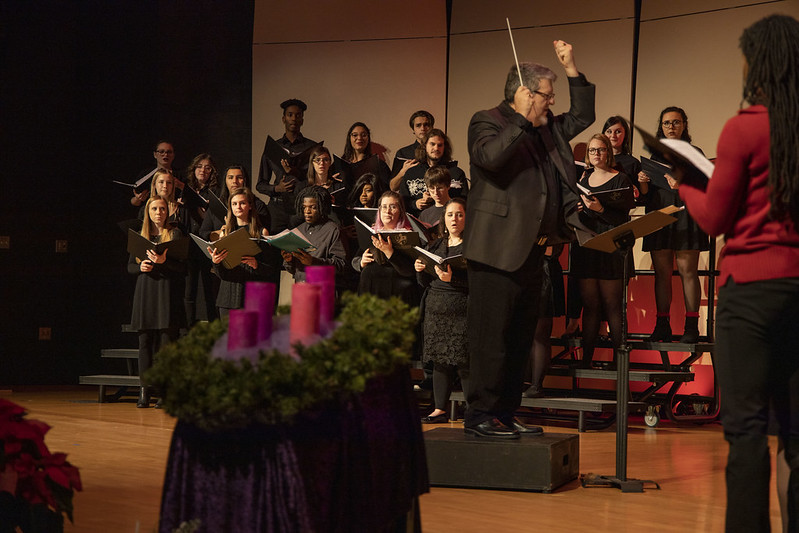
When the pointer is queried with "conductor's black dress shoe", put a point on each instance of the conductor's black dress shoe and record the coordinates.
(493, 429)
(514, 423)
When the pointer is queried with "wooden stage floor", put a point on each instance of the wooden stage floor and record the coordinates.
(121, 452)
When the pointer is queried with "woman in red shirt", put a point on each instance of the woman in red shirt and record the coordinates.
(753, 199)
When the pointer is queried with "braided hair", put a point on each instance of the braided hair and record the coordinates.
(771, 49)
(324, 202)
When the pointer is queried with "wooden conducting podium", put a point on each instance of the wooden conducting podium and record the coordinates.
(544, 463)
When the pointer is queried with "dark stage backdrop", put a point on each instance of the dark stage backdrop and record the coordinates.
(86, 89)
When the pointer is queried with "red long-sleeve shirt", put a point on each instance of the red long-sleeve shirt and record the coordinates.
(736, 203)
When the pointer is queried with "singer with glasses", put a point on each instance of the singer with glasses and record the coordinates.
(601, 275)
(682, 241)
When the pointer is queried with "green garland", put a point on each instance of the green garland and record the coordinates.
(374, 337)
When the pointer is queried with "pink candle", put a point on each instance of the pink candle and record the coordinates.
(242, 329)
(304, 312)
(325, 278)
(260, 297)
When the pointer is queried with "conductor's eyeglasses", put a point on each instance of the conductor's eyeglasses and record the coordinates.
(545, 96)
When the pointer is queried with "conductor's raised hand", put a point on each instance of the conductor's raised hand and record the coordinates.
(565, 55)
(523, 101)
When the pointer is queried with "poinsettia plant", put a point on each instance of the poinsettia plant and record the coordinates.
(43, 482)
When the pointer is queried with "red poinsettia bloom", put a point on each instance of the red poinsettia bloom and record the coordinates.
(39, 472)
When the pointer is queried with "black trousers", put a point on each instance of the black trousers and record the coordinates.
(757, 361)
(501, 316)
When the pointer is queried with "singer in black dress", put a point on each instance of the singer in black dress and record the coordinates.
(158, 312)
(601, 275)
(444, 304)
(682, 241)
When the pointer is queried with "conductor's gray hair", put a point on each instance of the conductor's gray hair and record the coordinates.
(532, 73)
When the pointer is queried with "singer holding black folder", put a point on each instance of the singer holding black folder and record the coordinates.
(203, 177)
(281, 189)
(164, 155)
(680, 242)
(601, 275)
(261, 267)
(163, 185)
(359, 147)
(753, 199)
(158, 312)
(386, 272)
(523, 192)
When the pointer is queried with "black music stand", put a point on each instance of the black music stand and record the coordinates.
(623, 238)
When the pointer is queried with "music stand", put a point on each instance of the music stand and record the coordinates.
(623, 238)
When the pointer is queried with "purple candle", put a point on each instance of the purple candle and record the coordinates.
(304, 312)
(260, 297)
(325, 278)
(242, 329)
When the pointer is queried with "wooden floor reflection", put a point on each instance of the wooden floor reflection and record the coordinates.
(121, 452)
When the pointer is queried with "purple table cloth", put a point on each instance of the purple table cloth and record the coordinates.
(355, 465)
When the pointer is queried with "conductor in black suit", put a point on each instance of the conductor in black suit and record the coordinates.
(523, 199)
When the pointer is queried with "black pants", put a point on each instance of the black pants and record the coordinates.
(502, 313)
(757, 360)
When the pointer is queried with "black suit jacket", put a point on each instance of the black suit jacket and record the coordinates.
(508, 185)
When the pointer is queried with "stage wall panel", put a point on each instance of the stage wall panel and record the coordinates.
(349, 61)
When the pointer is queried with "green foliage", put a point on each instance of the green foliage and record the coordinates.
(374, 337)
